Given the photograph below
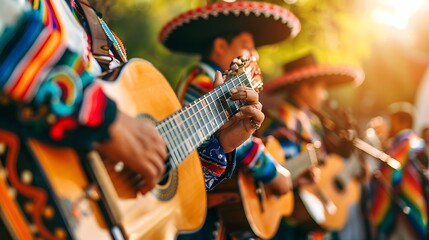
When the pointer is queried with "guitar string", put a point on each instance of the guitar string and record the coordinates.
(174, 156)
(197, 124)
(178, 152)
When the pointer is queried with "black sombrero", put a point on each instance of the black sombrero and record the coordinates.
(306, 68)
(190, 31)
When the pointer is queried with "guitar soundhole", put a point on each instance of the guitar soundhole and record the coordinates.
(167, 187)
(339, 185)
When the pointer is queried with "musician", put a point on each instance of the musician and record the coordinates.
(51, 53)
(399, 208)
(424, 156)
(290, 101)
(220, 32)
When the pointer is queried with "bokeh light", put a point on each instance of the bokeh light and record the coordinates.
(395, 13)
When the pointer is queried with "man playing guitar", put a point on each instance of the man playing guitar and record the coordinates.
(290, 101)
(51, 53)
(219, 32)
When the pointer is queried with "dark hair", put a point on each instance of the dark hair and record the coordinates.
(208, 45)
(404, 117)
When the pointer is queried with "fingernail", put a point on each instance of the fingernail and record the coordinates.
(234, 90)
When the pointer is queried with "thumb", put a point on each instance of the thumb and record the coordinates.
(218, 79)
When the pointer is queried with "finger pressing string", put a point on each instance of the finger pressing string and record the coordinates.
(247, 95)
(238, 94)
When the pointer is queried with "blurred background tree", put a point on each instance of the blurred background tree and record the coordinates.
(387, 38)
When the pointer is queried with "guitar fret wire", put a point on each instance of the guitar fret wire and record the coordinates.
(200, 140)
(189, 106)
(177, 152)
(213, 116)
(192, 126)
(209, 131)
(177, 148)
(188, 129)
(185, 121)
(173, 154)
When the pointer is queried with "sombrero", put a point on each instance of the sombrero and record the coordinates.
(306, 68)
(190, 31)
(402, 107)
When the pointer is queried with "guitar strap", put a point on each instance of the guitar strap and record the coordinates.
(99, 41)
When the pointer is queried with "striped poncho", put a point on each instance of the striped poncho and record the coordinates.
(401, 186)
(48, 74)
(293, 127)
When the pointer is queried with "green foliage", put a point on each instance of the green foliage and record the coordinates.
(336, 31)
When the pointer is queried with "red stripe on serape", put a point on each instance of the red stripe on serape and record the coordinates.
(251, 155)
(381, 204)
(42, 57)
(53, 16)
(94, 104)
(13, 88)
(212, 167)
(205, 85)
(400, 152)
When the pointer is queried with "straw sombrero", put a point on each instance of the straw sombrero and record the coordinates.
(306, 68)
(190, 31)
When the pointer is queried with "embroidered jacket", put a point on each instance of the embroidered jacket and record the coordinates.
(403, 185)
(251, 154)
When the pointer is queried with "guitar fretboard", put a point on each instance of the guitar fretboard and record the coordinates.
(189, 127)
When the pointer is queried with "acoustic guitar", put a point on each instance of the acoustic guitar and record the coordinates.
(324, 205)
(251, 206)
(178, 203)
(97, 199)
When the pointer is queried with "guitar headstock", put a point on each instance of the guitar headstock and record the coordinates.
(248, 66)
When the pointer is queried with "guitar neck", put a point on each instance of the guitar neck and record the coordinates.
(189, 127)
(378, 154)
(298, 164)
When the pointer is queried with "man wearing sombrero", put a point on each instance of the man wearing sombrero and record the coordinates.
(290, 101)
(220, 32)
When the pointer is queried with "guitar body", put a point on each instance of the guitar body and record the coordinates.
(66, 196)
(247, 212)
(179, 204)
(45, 187)
(323, 205)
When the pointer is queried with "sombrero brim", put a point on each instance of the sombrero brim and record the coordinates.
(190, 31)
(333, 76)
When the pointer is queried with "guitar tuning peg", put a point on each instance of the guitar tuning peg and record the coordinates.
(244, 58)
(234, 67)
